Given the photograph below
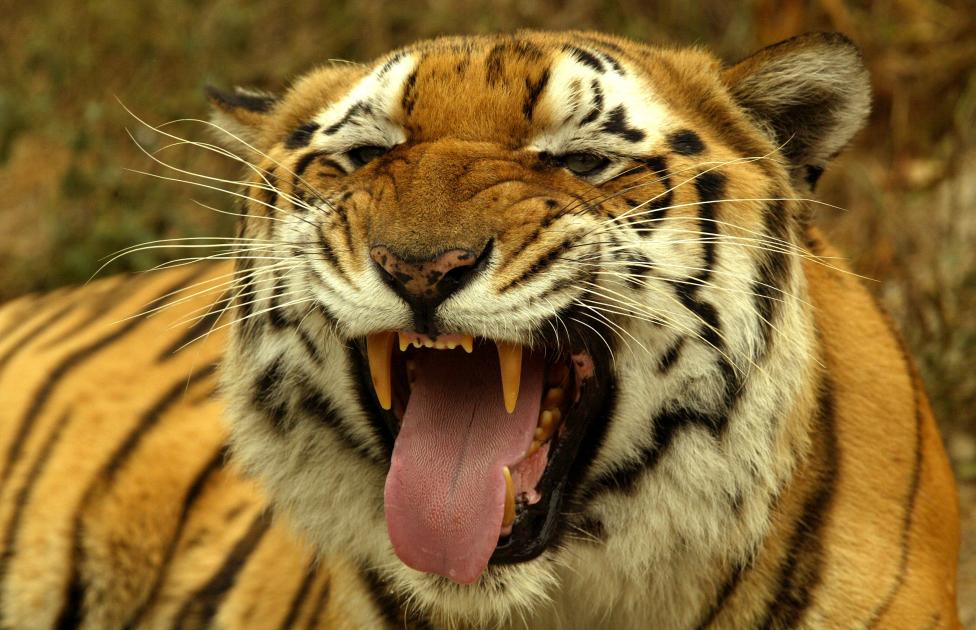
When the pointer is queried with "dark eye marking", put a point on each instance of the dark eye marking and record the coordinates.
(586, 58)
(301, 136)
(360, 156)
(686, 142)
(617, 124)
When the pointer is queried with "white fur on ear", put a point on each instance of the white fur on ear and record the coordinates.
(811, 93)
(241, 113)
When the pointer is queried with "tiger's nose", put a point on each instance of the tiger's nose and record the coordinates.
(432, 280)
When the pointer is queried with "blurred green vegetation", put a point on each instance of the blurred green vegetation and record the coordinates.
(908, 185)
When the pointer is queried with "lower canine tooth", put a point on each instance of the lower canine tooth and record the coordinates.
(509, 516)
(510, 361)
(379, 347)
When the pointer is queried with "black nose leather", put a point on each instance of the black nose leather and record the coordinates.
(424, 284)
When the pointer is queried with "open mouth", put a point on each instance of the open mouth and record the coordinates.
(486, 441)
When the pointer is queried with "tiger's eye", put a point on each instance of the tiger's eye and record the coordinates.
(360, 156)
(584, 164)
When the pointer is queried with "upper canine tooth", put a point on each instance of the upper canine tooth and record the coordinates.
(404, 341)
(467, 342)
(510, 361)
(379, 348)
(509, 516)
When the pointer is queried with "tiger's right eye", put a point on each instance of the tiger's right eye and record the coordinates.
(360, 156)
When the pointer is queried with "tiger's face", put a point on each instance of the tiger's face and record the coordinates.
(518, 312)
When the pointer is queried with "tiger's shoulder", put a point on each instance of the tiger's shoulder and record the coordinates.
(115, 474)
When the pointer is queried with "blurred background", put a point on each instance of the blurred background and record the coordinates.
(907, 185)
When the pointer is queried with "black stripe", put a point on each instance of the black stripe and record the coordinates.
(773, 273)
(31, 334)
(266, 398)
(72, 608)
(300, 137)
(99, 305)
(686, 142)
(617, 124)
(73, 360)
(301, 165)
(624, 478)
(320, 603)
(533, 89)
(597, 109)
(906, 527)
(296, 603)
(389, 605)
(409, 98)
(23, 498)
(586, 58)
(201, 607)
(201, 327)
(319, 408)
(812, 175)
(735, 577)
(276, 312)
(670, 357)
(541, 264)
(20, 315)
(800, 571)
(356, 109)
(189, 500)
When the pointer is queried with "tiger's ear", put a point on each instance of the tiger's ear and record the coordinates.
(243, 113)
(811, 94)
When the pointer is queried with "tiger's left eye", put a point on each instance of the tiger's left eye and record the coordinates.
(584, 164)
(360, 156)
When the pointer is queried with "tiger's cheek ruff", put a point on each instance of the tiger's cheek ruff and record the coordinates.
(680, 255)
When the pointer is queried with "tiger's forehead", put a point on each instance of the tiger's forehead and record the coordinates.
(552, 98)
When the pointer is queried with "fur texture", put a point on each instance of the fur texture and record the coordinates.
(767, 457)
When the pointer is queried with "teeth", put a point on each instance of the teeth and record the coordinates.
(509, 516)
(510, 360)
(467, 342)
(379, 347)
(554, 398)
(404, 341)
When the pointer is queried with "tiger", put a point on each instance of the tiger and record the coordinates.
(608, 248)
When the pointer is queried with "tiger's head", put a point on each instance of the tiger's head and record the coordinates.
(519, 314)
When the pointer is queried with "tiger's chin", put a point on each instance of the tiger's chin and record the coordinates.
(490, 440)
(503, 593)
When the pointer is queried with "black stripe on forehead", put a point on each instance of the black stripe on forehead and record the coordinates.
(586, 58)
(359, 108)
(515, 50)
(617, 124)
(533, 90)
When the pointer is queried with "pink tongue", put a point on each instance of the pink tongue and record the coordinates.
(445, 492)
